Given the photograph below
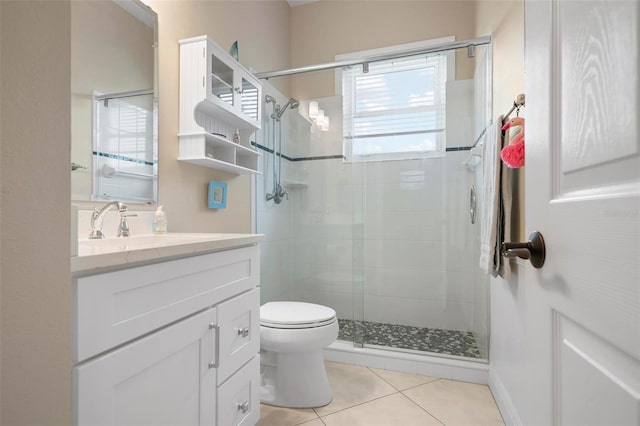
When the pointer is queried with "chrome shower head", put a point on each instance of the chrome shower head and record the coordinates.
(291, 103)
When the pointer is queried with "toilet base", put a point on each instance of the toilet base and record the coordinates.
(294, 380)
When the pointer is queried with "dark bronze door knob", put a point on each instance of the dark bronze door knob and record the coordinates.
(534, 249)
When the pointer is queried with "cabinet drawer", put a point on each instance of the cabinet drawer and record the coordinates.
(239, 332)
(116, 307)
(239, 397)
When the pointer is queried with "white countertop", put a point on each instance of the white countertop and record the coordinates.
(118, 252)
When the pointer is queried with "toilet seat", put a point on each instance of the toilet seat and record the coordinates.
(295, 315)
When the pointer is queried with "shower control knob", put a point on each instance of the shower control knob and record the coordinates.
(534, 249)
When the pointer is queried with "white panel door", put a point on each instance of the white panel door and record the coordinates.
(161, 379)
(583, 195)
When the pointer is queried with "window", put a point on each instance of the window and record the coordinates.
(396, 110)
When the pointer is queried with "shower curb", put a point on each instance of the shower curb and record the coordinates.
(425, 365)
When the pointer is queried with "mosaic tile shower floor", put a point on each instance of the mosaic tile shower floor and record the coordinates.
(449, 342)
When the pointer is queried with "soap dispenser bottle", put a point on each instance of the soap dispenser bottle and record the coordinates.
(159, 225)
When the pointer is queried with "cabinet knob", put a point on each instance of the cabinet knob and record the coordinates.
(238, 90)
(244, 407)
(244, 332)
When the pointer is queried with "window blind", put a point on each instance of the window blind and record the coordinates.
(397, 109)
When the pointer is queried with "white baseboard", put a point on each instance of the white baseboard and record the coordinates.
(503, 400)
(444, 368)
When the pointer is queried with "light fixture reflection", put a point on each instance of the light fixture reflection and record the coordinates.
(317, 116)
(325, 124)
(313, 109)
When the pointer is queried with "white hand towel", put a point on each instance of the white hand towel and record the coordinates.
(490, 196)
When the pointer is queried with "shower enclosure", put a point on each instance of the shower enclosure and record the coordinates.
(386, 240)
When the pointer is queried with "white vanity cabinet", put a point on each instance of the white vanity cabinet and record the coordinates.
(169, 343)
(217, 96)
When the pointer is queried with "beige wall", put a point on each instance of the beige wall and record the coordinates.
(34, 152)
(111, 51)
(322, 30)
(505, 21)
(0, 216)
(262, 31)
(35, 327)
(318, 32)
(35, 271)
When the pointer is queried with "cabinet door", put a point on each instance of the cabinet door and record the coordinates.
(220, 75)
(250, 94)
(162, 379)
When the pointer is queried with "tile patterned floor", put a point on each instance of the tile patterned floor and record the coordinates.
(450, 342)
(371, 397)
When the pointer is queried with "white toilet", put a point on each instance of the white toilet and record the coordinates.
(292, 336)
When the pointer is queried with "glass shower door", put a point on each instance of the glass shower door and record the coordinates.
(417, 251)
(357, 325)
(416, 284)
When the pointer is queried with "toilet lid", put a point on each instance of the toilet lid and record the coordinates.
(295, 315)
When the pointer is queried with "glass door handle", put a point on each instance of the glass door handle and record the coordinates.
(472, 204)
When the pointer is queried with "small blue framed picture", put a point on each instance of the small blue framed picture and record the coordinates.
(217, 195)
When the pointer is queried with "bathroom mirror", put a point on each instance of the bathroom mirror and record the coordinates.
(114, 137)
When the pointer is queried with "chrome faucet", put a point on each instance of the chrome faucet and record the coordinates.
(98, 216)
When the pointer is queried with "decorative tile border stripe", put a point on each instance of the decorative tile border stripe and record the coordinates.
(121, 157)
(286, 157)
(338, 156)
(320, 157)
(270, 151)
(449, 342)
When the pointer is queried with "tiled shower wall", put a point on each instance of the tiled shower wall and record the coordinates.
(417, 240)
(273, 220)
(416, 237)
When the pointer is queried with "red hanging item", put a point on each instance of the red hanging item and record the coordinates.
(513, 154)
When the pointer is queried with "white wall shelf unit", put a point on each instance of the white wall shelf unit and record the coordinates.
(215, 151)
(217, 97)
(225, 113)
